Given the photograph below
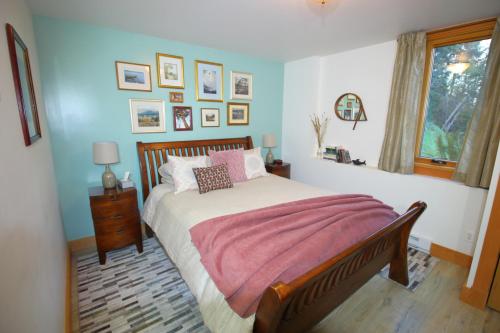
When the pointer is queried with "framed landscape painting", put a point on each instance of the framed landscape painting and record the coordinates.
(132, 76)
(241, 85)
(147, 115)
(209, 79)
(210, 117)
(170, 70)
(183, 118)
(238, 113)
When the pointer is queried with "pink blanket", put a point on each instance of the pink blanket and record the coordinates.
(244, 253)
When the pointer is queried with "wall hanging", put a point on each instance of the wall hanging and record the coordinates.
(349, 107)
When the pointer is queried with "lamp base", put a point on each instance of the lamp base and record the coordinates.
(269, 157)
(108, 178)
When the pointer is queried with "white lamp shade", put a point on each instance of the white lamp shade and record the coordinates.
(269, 140)
(105, 152)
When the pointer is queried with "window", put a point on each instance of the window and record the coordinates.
(455, 67)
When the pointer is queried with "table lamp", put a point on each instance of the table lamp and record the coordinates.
(269, 141)
(106, 152)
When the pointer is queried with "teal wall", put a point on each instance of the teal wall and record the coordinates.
(83, 104)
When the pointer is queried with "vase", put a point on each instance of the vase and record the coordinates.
(319, 152)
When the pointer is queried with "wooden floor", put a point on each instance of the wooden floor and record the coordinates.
(384, 306)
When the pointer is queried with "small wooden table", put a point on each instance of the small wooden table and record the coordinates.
(282, 170)
(117, 222)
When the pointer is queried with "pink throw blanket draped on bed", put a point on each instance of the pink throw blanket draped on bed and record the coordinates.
(244, 253)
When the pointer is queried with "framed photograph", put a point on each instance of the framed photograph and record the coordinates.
(130, 76)
(176, 97)
(147, 115)
(241, 85)
(238, 113)
(23, 84)
(183, 118)
(210, 117)
(170, 70)
(209, 77)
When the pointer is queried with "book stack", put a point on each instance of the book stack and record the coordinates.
(330, 153)
(343, 156)
(337, 154)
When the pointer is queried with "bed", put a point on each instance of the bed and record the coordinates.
(295, 306)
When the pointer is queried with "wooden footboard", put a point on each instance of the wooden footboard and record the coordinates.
(299, 305)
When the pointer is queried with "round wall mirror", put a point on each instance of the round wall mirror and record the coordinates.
(349, 107)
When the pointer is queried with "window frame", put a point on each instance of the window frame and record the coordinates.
(464, 33)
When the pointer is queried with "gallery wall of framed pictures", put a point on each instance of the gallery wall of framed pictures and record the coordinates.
(150, 115)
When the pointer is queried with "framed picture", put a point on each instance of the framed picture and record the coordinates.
(170, 70)
(183, 118)
(23, 84)
(147, 115)
(238, 113)
(209, 81)
(176, 97)
(130, 76)
(210, 117)
(241, 85)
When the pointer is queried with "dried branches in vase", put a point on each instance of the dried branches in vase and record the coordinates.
(320, 123)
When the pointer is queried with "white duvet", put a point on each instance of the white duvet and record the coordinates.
(172, 215)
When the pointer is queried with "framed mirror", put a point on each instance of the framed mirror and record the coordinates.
(23, 83)
(349, 107)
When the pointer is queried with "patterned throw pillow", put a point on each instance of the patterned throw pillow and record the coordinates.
(212, 178)
(235, 161)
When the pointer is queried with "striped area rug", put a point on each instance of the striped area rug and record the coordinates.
(135, 292)
(144, 292)
(420, 264)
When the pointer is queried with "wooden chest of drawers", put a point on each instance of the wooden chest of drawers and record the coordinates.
(282, 170)
(117, 222)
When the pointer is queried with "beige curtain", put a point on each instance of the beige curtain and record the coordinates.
(477, 160)
(401, 128)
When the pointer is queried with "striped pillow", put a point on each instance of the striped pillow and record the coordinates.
(212, 178)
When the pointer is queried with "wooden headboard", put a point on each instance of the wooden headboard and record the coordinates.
(153, 154)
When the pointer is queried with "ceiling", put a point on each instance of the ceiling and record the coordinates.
(275, 29)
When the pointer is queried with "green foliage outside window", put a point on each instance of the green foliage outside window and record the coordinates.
(452, 98)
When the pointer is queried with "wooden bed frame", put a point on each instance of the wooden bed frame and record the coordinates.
(299, 305)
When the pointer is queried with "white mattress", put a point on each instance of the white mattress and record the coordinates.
(172, 215)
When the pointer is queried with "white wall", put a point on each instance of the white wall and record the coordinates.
(313, 85)
(32, 244)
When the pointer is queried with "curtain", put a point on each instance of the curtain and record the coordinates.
(398, 149)
(477, 160)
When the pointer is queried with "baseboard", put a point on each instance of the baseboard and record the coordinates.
(473, 297)
(68, 305)
(450, 255)
(82, 244)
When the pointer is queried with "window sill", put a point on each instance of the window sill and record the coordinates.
(433, 170)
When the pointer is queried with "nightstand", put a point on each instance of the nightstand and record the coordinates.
(117, 222)
(282, 170)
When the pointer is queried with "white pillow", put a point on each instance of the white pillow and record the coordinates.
(165, 172)
(181, 171)
(254, 164)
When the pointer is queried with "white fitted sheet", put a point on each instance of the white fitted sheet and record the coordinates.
(172, 215)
